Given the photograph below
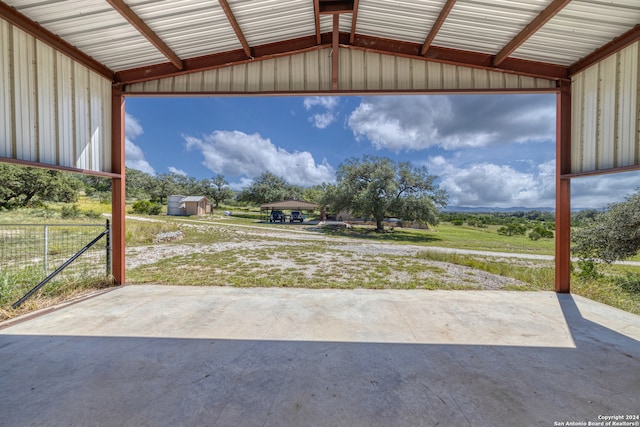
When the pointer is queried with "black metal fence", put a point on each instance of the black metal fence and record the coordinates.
(29, 253)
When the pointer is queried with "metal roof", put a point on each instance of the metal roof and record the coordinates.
(300, 205)
(138, 40)
(193, 199)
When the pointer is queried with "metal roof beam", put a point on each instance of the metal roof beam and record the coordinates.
(335, 6)
(218, 60)
(531, 28)
(316, 14)
(335, 51)
(461, 57)
(17, 19)
(236, 27)
(354, 19)
(614, 46)
(127, 13)
(367, 43)
(437, 25)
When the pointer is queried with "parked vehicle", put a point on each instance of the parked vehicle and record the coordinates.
(276, 216)
(296, 216)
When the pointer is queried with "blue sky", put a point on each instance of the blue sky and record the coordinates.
(488, 150)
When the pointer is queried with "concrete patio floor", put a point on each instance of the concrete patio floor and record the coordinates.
(193, 356)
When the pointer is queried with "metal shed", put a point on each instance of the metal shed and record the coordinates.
(66, 68)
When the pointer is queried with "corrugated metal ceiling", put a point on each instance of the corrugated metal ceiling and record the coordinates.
(200, 28)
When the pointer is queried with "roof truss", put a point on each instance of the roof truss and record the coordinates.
(502, 61)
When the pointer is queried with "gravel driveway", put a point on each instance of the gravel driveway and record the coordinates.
(345, 258)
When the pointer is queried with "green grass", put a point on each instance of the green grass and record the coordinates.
(450, 236)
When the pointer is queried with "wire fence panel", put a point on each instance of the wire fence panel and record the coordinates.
(33, 251)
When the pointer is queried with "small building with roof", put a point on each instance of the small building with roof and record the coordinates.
(188, 205)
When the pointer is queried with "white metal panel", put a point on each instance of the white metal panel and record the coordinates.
(605, 154)
(606, 113)
(269, 21)
(191, 28)
(46, 137)
(629, 106)
(95, 28)
(579, 29)
(55, 111)
(397, 19)
(358, 71)
(6, 89)
(24, 101)
(486, 27)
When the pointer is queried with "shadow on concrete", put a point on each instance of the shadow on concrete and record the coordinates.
(118, 381)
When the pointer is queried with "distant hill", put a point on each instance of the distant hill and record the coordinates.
(487, 209)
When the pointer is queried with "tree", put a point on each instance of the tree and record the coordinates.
(24, 186)
(268, 188)
(218, 189)
(139, 185)
(376, 187)
(612, 235)
(164, 186)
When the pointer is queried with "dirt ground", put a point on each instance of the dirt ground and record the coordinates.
(315, 252)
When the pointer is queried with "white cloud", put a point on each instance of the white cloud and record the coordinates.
(177, 171)
(403, 123)
(600, 191)
(234, 153)
(134, 156)
(491, 185)
(328, 103)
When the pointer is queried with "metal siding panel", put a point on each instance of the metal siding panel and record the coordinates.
(82, 115)
(388, 72)
(268, 75)
(404, 71)
(628, 105)
(283, 72)
(372, 71)
(224, 79)
(6, 89)
(434, 75)
(181, 83)
(449, 76)
(465, 78)
(607, 100)
(209, 79)
(591, 119)
(356, 69)
(344, 70)
(65, 101)
(239, 78)
(481, 79)
(254, 76)
(312, 70)
(298, 77)
(496, 80)
(46, 75)
(25, 101)
(324, 59)
(577, 115)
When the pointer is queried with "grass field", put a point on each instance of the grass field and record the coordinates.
(299, 265)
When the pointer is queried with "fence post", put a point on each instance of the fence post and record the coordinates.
(46, 249)
(108, 248)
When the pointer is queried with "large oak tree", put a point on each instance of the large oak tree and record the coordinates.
(376, 188)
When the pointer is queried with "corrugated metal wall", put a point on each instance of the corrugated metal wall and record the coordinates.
(359, 71)
(52, 110)
(606, 113)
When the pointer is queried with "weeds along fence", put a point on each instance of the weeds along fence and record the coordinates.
(29, 253)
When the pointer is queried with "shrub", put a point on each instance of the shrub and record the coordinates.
(70, 211)
(513, 229)
(146, 207)
(540, 232)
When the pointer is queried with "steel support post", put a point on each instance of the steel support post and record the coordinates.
(563, 189)
(118, 187)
